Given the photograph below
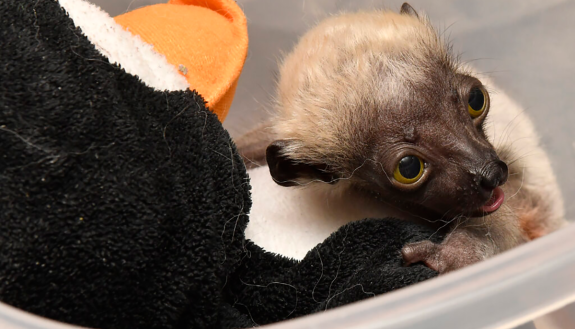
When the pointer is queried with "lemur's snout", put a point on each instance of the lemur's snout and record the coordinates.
(493, 175)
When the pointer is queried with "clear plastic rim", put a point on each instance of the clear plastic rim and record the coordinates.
(503, 292)
(506, 291)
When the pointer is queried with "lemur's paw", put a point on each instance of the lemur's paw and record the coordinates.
(443, 258)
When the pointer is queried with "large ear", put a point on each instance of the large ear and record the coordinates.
(407, 9)
(288, 172)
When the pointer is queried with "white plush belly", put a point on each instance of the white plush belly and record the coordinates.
(290, 221)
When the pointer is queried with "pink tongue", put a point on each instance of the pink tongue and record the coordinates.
(495, 202)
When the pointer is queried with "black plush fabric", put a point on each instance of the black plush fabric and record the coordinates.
(125, 207)
(360, 260)
(120, 207)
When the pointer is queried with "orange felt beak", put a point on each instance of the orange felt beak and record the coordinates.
(208, 37)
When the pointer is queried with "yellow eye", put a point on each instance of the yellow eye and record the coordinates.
(477, 102)
(408, 170)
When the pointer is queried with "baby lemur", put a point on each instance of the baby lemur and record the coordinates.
(375, 112)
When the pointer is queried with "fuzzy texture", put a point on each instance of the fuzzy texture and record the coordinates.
(120, 46)
(121, 206)
(360, 91)
(292, 221)
(359, 261)
(337, 91)
(125, 207)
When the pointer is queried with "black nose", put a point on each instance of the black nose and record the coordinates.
(493, 175)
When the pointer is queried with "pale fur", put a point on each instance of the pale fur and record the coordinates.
(353, 47)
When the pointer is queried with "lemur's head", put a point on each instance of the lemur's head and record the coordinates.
(378, 99)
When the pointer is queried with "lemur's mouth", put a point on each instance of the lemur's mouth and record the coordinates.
(496, 200)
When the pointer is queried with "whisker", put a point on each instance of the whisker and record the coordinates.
(521, 186)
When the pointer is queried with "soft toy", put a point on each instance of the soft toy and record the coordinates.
(206, 40)
(123, 202)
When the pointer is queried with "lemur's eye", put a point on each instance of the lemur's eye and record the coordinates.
(408, 170)
(477, 102)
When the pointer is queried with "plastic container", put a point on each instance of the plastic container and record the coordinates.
(527, 287)
(507, 291)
